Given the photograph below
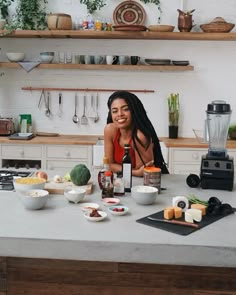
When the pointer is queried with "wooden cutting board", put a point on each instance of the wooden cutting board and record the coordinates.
(58, 188)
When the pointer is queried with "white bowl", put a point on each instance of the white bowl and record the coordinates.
(28, 183)
(74, 194)
(15, 56)
(34, 199)
(118, 210)
(103, 216)
(46, 57)
(88, 207)
(110, 201)
(144, 195)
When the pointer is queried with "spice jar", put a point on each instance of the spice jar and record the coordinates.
(108, 189)
(119, 187)
(152, 177)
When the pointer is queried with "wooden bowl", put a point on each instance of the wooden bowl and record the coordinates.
(161, 28)
(217, 27)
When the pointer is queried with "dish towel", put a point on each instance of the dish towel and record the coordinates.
(29, 65)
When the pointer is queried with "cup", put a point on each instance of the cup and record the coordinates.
(122, 59)
(134, 59)
(87, 59)
(98, 59)
(77, 59)
(68, 58)
(110, 59)
(61, 57)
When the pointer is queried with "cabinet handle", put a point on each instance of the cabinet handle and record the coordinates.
(195, 156)
(67, 153)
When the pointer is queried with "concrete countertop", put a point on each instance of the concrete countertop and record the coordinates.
(60, 231)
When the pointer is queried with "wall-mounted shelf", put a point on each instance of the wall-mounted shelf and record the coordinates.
(161, 68)
(120, 35)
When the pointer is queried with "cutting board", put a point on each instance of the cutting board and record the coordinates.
(58, 188)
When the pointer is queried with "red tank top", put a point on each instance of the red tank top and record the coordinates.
(119, 150)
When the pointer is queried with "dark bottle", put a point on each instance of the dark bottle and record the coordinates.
(127, 169)
(108, 189)
(101, 176)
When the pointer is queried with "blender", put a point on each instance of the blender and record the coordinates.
(217, 167)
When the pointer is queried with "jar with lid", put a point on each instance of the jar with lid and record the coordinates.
(108, 188)
(101, 176)
(119, 187)
(152, 177)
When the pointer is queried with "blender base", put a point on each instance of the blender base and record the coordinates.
(217, 173)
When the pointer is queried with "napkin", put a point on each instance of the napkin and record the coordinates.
(29, 65)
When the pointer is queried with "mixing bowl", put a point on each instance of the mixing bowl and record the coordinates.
(15, 56)
(144, 195)
(34, 199)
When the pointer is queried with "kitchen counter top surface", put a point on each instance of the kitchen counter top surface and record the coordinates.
(60, 139)
(60, 231)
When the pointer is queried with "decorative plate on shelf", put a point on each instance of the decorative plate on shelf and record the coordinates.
(129, 13)
(136, 28)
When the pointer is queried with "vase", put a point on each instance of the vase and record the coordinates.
(173, 131)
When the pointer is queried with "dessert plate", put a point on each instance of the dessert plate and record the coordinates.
(129, 13)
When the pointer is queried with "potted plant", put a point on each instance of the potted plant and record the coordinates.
(232, 131)
(4, 4)
(173, 109)
(93, 5)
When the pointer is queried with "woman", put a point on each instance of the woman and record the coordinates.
(127, 122)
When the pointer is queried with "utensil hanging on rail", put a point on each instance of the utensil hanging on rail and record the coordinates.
(96, 109)
(59, 113)
(75, 117)
(48, 111)
(84, 119)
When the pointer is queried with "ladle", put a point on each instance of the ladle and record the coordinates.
(75, 117)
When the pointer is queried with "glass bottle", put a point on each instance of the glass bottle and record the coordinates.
(127, 169)
(101, 176)
(108, 189)
(119, 188)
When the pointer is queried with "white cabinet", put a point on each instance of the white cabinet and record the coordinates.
(64, 157)
(188, 160)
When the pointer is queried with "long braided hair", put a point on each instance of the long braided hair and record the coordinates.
(140, 121)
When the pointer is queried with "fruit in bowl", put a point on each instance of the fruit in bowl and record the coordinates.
(34, 199)
(144, 195)
(46, 57)
(15, 56)
(28, 183)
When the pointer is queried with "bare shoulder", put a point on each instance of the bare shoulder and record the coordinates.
(110, 130)
(141, 136)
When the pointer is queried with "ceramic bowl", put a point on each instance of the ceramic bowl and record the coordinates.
(15, 56)
(110, 201)
(161, 28)
(74, 194)
(144, 195)
(46, 57)
(28, 183)
(118, 210)
(34, 199)
(88, 207)
(102, 216)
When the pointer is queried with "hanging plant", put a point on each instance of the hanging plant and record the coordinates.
(30, 15)
(4, 4)
(158, 3)
(93, 5)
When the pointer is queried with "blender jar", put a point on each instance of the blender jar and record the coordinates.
(218, 119)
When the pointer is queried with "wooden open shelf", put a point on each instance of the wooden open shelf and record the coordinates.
(164, 68)
(146, 35)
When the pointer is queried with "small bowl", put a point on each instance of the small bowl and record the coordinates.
(28, 183)
(34, 199)
(161, 28)
(15, 56)
(144, 195)
(74, 194)
(46, 57)
(111, 201)
(102, 213)
(88, 207)
(118, 210)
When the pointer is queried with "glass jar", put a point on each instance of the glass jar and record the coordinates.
(152, 177)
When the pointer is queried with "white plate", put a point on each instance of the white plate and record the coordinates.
(111, 210)
(110, 201)
(103, 216)
(88, 207)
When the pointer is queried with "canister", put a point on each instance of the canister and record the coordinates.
(152, 177)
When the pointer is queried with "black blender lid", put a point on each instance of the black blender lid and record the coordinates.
(219, 107)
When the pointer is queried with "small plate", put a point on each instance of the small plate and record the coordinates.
(157, 61)
(110, 201)
(180, 62)
(88, 207)
(103, 216)
(113, 209)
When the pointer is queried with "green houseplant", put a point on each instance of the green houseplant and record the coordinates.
(173, 111)
(4, 4)
(232, 131)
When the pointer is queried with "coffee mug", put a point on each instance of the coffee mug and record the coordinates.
(98, 59)
(87, 59)
(77, 59)
(134, 59)
(123, 59)
(110, 59)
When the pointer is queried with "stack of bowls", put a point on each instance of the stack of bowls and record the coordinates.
(46, 57)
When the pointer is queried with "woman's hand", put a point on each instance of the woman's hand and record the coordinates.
(139, 171)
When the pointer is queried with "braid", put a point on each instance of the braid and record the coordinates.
(140, 121)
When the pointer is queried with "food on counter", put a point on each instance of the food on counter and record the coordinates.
(95, 213)
(29, 180)
(57, 179)
(194, 200)
(201, 207)
(80, 174)
(67, 177)
(172, 212)
(192, 215)
(122, 209)
(41, 174)
(180, 201)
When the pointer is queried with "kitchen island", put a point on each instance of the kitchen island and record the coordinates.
(57, 251)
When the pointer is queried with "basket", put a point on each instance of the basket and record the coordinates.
(161, 28)
(59, 21)
(217, 27)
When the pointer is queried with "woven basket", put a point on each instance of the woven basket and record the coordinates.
(161, 28)
(217, 27)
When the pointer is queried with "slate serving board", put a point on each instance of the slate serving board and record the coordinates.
(179, 229)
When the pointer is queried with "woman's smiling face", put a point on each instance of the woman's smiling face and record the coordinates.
(120, 112)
